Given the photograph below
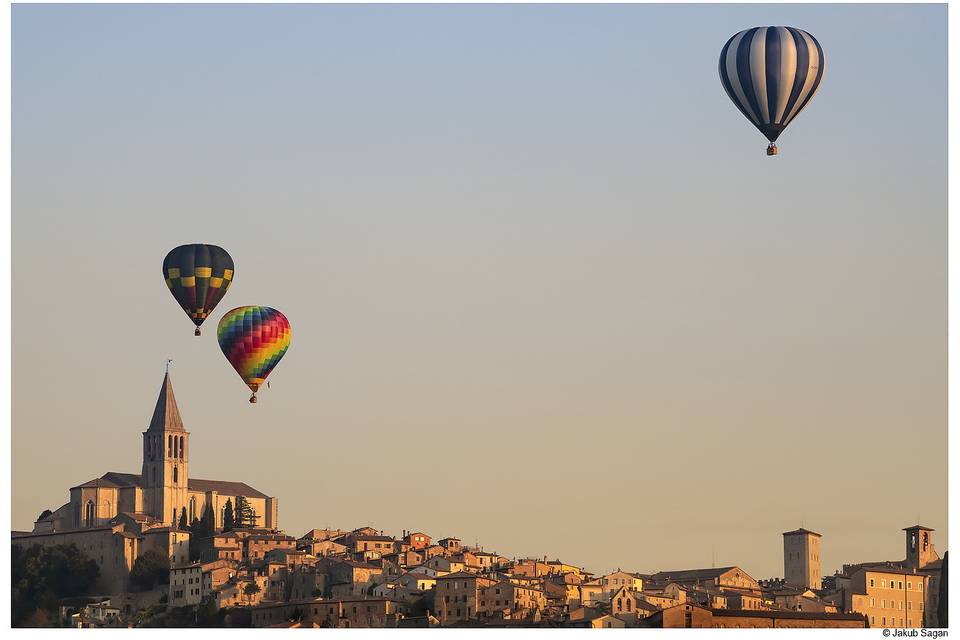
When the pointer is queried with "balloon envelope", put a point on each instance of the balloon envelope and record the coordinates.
(770, 74)
(254, 339)
(198, 276)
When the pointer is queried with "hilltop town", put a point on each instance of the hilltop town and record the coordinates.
(171, 550)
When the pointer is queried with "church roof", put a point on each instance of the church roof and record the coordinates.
(166, 415)
(116, 480)
(112, 480)
(224, 487)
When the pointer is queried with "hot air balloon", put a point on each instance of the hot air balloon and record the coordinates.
(771, 73)
(198, 276)
(254, 340)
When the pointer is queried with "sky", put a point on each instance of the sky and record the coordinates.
(548, 294)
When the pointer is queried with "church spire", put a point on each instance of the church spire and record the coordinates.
(166, 415)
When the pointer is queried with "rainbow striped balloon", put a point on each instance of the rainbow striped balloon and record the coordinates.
(254, 339)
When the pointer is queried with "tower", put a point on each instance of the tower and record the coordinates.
(165, 447)
(920, 551)
(801, 558)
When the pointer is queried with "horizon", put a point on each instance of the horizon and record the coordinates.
(515, 315)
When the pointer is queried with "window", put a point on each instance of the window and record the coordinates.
(88, 517)
(174, 474)
(181, 447)
(169, 446)
(871, 582)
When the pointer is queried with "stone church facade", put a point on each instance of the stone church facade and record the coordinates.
(162, 490)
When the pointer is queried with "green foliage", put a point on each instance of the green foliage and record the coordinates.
(183, 519)
(228, 521)
(423, 604)
(244, 514)
(46, 512)
(200, 529)
(251, 588)
(149, 570)
(40, 577)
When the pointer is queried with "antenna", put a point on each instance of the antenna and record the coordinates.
(166, 368)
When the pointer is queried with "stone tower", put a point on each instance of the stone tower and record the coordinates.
(801, 558)
(165, 447)
(920, 551)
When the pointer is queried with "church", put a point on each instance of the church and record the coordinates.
(161, 492)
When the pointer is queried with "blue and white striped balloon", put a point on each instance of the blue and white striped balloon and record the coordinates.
(771, 73)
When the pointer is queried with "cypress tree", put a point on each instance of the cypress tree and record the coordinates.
(228, 523)
(182, 526)
(244, 515)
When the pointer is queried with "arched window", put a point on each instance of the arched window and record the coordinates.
(88, 518)
(619, 604)
(193, 509)
(169, 446)
(174, 474)
(153, 474)
(181, 447)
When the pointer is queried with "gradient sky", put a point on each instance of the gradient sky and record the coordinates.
(547, 291)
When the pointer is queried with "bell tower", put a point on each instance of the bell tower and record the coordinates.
(165, 456)
(801, 558)
(920, 551)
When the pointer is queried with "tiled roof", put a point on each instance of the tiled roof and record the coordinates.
(112, 480)
(224, 487)
(690, 574)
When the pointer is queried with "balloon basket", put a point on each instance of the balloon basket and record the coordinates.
(253, 399)
(196, 331)
(772, 149)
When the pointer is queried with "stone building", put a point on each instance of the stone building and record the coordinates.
(901, 593)
(162, 491)
(801, 558)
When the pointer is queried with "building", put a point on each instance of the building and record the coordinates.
(689, 615)
(186, 585)
(895, 593)
(456, 596)
(889, 595)
(416, 539)
(729, 577)
(113, 549)
(163, 491)
(801, 558)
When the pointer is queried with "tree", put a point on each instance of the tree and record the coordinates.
(200, 529)
(40, 577)
(228, 522)
(250, 589)
(46, 512)
(183, 519)
(149, 570)
(244, 514)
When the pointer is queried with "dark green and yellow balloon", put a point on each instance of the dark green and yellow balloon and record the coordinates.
(254, 339)
(198, 276)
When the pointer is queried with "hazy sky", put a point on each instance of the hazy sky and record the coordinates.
(546, 289)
